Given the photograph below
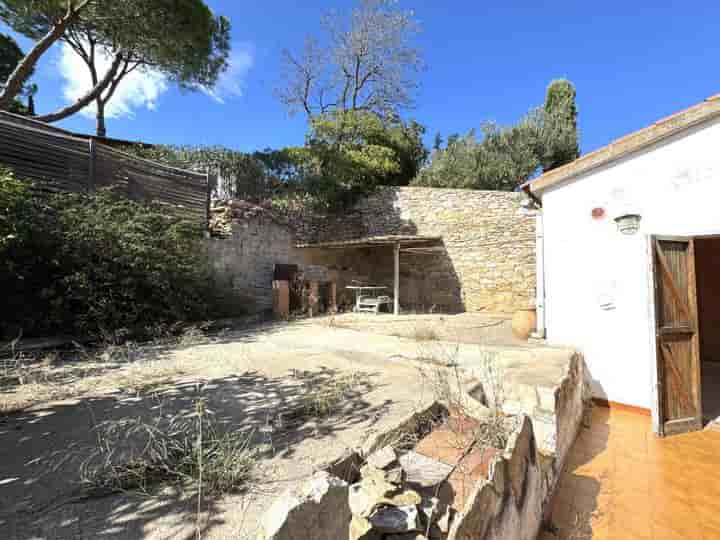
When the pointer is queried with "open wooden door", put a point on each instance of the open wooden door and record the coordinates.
(678, 351)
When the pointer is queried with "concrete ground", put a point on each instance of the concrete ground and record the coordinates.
(623, 482)
(245, 376)
(478, 328)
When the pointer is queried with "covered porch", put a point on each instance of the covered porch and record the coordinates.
(368, 269)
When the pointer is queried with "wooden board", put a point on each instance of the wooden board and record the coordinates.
(677, 336)
(54, 160)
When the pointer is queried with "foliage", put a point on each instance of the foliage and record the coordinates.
(364, 63)
(94, 265)
(186, 43)
(239, 174)
(560, 125)
(346, 154)
(506, 157)
(355, 151)
(10, 55)
(183, 40)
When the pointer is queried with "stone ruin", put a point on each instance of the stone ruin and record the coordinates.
(433, 477)
(428, 479)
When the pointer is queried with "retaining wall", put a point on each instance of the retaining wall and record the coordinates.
(487, 261)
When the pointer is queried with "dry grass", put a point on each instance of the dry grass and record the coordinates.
(424, 332)
(323, 395)
(133, 454)
(26, 380)
(448, 387)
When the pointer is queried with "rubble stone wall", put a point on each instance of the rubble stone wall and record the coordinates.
(513, 502)
(487, 262)
(243, 255)
(489, 241)
(507, 503)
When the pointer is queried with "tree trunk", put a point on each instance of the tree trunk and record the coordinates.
(87, 98)
(100, 128)
(22, 71)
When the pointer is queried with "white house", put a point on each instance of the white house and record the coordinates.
(643, 308)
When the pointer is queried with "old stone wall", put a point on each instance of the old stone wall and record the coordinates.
(427, 282)
(489, 240)
(487, 260)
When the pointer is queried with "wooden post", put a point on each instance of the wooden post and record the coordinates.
(208, 195)
(281, 299)
(92, 165)
(396, 309)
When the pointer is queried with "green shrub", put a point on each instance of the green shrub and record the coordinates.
(95, 265)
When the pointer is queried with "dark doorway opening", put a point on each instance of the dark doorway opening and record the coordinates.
(707, 263)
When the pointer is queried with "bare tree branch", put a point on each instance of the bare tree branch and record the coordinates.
(370, 63)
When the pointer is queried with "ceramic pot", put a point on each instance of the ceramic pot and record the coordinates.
(524, 322)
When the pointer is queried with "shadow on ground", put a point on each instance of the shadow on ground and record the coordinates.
(576, 511)
(42, 448)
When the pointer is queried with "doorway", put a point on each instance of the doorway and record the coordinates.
(687, 312)
(707, 265)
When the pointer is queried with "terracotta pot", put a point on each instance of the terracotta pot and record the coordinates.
(524, 322)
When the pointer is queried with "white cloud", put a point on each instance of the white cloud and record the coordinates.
(140, 89)
(231, 83)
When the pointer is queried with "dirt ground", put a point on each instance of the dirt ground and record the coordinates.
(244, 376)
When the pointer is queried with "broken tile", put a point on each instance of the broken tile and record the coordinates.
(422, 470)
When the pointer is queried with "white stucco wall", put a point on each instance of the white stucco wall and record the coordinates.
(598, 282)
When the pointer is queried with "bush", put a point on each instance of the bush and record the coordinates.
(92, 265)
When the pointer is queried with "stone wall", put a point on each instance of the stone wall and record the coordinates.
(248, 242)
(427, 282)
(487, 262)
(489, 240)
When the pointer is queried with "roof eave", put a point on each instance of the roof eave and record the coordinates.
(629, 144)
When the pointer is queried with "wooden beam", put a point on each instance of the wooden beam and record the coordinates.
(396, 309)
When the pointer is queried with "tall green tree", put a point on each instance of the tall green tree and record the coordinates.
(182, 39)
(506, 157)
(560, 125)
(10, 56)
(358, 151)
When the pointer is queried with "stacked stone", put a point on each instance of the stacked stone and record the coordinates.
(488, 261)
(392, 502)
(489, 239)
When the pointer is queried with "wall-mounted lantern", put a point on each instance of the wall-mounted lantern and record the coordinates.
(628, 223)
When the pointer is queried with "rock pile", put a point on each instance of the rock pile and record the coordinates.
(396, 498)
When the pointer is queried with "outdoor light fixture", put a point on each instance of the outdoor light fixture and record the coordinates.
(628, 223)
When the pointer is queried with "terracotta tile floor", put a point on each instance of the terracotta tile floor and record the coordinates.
(623, 482)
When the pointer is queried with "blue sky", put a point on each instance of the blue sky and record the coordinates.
(632, 62)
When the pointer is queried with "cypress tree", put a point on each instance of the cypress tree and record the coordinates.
(560, 125)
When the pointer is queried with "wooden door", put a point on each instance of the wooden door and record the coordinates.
(678, 356)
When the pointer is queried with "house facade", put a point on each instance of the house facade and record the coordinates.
(641, 307)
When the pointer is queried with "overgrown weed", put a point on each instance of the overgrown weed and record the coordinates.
(133, 454)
